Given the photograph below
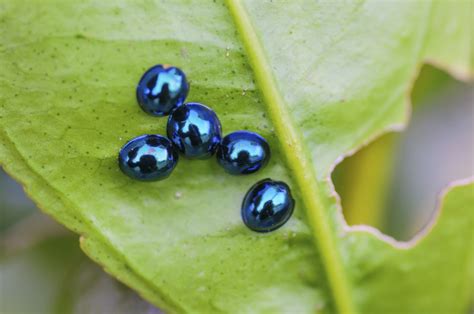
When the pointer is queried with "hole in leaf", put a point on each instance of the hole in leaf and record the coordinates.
(393, 183)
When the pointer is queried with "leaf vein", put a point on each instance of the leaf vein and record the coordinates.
(297, 160)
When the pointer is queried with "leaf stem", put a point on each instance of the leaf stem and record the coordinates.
(298, 162)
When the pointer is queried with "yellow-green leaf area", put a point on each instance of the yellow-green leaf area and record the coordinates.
(340, 72)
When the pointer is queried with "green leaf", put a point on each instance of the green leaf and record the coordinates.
(329, 77)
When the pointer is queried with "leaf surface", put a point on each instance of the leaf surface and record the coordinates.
(317, 79)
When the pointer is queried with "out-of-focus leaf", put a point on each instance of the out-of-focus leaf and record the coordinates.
(363, 181)
(42, 270)
(392, 182)
(330, 75)
(13, 206)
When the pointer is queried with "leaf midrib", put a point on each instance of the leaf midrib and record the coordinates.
(297, 160)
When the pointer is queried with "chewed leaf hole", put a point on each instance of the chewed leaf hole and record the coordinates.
(394, 182)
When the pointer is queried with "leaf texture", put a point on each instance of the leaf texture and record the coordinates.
(317, 79)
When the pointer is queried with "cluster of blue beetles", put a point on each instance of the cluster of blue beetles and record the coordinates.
(195, 131)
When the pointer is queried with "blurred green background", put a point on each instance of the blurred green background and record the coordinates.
(43, 270)
(391, 184)
(394, 182)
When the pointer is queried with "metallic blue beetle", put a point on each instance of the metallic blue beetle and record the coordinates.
(243, 152)
(148, 158)
(162, 89)
(267, 205)
(195, 130)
